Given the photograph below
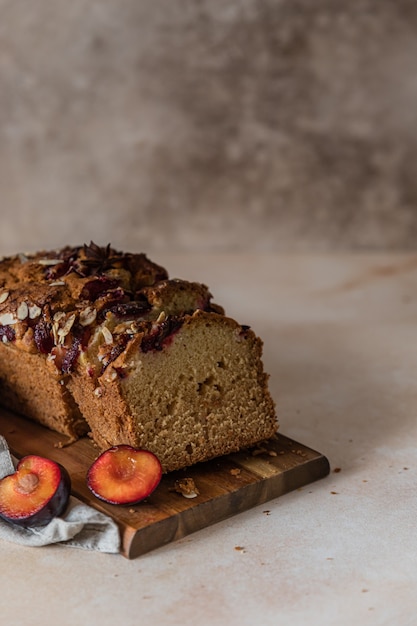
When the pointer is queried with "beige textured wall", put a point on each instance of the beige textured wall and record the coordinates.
(208, 125)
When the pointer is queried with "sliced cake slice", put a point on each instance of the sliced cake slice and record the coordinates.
(187, 388)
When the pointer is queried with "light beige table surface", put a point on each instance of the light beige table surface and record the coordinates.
(340, 335)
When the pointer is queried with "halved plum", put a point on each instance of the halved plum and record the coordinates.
(35, 493)
(124, 475)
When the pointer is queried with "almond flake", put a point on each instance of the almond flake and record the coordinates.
(55, 333)
(57, 283)
(88, 316)
(4, 296)
(34, 311)
(161, 317)
(49, 261)
(58, 316)
(63, 332)
(22, 311)
(7, 319)
(191, 494)
(108, 337)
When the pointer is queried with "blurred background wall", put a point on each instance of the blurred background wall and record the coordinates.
(208, 125)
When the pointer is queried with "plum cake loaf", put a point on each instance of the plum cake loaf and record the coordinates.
(103, 342)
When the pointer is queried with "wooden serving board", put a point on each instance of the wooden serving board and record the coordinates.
(227, 485)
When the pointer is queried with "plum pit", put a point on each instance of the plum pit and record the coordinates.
(27, 483)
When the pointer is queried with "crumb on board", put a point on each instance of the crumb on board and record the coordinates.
(236, 471)
(186, 487)
(262, 448)
(299, 452)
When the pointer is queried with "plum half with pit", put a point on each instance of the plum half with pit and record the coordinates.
(124, 475)
(35, 493)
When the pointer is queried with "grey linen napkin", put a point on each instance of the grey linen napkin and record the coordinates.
(81, 526)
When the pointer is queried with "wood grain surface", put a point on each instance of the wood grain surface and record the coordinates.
(227, 485)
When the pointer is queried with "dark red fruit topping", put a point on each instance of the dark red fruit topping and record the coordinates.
(160, 336)
(8, 332)
(124, 475)
(37, 492)
(69, 263)
(42, 335)
(98, 287)
(66, 356)
(71, 356)
(134, 309)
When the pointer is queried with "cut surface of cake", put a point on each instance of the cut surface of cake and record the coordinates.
(100, 341)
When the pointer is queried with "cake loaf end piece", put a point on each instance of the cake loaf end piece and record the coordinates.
(189, 388)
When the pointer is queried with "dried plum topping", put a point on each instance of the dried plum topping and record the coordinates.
(80, 338)
(43, 338)
(71, 356)
(69, 264)
(7, 332)
(134, 309)
(83, 334)
(159, 336)
(98, 287)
